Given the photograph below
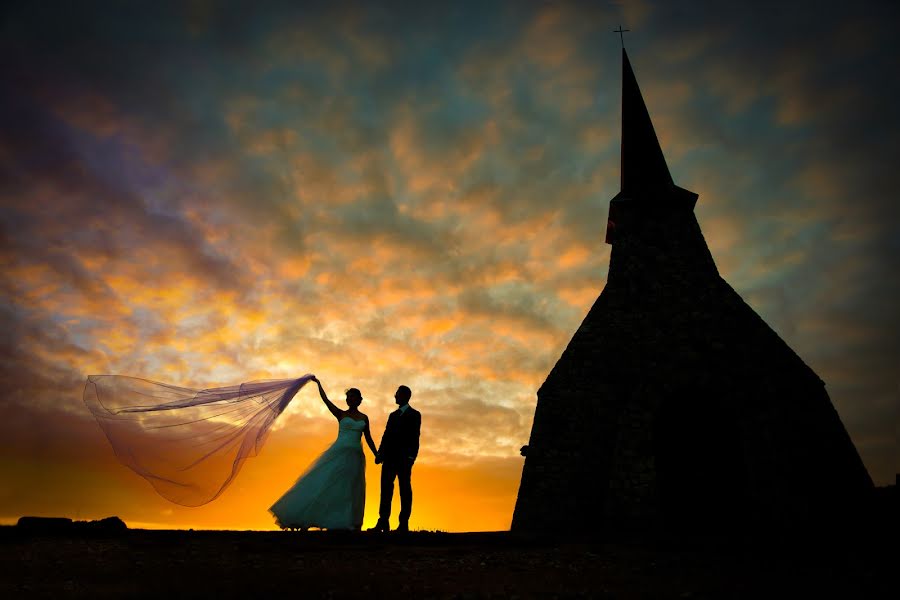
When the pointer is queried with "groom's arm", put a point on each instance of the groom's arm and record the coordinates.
(414, 437)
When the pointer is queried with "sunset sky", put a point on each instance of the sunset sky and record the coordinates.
(204, 193)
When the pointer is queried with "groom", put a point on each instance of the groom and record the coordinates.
(396, 454)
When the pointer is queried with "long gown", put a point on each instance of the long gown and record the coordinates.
(331, 493)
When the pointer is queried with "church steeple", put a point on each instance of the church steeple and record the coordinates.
(645, 179)
(643, 169)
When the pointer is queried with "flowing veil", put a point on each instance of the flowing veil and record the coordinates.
(189, 444)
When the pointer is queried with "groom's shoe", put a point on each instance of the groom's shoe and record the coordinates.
(380, 526)
(402, 528)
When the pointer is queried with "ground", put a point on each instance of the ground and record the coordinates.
(224, 564)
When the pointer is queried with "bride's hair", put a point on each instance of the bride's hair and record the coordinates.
(353, 394)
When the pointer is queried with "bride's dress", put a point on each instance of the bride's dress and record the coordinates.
(331, 493)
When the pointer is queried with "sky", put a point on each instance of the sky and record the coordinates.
(204, 193)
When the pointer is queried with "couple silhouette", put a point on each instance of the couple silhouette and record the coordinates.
(331, 493)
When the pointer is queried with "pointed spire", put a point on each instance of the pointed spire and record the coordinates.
(644, 168)
(645, 178)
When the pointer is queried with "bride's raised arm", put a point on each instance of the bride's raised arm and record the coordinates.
(338, 413)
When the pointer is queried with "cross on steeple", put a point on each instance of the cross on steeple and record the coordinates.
(621, 31)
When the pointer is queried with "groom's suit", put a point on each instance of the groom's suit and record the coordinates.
(398, 450)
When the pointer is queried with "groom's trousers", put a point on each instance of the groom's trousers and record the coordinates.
(401, 471)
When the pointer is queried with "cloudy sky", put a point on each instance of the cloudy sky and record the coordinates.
(204, 193)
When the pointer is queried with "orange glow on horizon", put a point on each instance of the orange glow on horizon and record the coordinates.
(474, 496)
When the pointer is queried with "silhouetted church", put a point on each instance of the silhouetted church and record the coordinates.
(674, 401)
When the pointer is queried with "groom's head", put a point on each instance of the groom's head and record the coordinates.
(402, 395)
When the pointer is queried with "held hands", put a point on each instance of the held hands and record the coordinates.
(378, 460)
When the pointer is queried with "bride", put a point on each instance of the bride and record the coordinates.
(331, 493)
